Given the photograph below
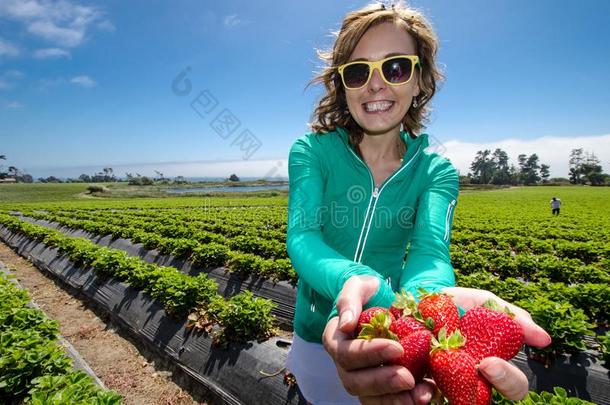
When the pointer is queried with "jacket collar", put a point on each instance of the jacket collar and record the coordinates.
(413, 144)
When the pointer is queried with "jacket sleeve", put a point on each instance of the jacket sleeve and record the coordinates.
(318, 264)
(428, 264)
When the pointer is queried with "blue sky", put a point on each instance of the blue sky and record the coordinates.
(89, 84)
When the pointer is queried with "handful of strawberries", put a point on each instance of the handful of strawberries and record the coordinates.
(437, 341)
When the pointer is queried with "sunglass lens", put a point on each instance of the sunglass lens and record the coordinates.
(356, 75)
(397, 70)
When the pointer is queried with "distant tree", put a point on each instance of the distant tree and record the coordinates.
(25, 178)
(53, 179)
(138, 180)
(522, 162)
(3, 174)
(159, 176)
(530, 174)
(501, 173)
(576, 161)
(482, 168)
(50, 179)
(590, 169)
(85, 178)
(233, 177)
(545, 173)
(585, 168)
(465, 179)
(180, 180)
(515, 175)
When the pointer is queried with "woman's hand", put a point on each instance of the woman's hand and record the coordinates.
(358, 360)
(504, 376)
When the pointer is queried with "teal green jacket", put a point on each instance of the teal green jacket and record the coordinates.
(341, 225)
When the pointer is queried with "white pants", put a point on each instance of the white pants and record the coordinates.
(316, 374)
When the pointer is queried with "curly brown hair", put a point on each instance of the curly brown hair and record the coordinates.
(332, 111)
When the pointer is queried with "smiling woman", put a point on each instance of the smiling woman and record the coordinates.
(366, 163)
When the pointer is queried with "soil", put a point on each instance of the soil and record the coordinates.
(115, 360)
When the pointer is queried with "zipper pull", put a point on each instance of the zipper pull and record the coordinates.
(376, 192)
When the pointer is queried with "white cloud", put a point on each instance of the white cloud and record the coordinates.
(552, 150)
(8, 78)
(62, 22)
(48, 53)
(8, 48)
(232, 21)
(62, 36)
(13, 73)
(106, 25)
(21, 9)
(13, 105)
(83, 80)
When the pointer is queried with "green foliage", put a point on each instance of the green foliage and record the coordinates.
(72, 388)
(30, 354)
(246, 317)
(566, 324)
(559, 396)
(604, 346)
(210, 255)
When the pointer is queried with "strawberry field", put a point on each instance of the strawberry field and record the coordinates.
(219, 265)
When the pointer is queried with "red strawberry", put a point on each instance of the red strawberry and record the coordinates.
(375, 322)
(416, 356)
(404, 304)
(438, 311)
(455, 372)
(411, 334)
(491, 332)
(406, 325)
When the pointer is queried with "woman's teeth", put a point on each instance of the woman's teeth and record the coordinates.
(378, 106)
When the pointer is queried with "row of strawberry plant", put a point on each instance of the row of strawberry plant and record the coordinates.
(527, 266)
(201, 248)
(34, 368)
(180, 294)
(588, 252)
(119, 227)
(267, 219)
(554, 306)
(193, 224)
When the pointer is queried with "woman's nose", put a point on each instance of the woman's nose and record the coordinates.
(376, 83)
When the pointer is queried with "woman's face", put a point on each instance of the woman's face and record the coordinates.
(377, 43)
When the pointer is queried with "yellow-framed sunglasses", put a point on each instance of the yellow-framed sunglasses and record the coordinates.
(395, 70)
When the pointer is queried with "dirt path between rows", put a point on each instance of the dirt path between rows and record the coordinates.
(115, 360)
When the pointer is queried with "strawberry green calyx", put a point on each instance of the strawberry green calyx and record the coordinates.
(423, 293)
(378, 327)
(494, 306)
(405, 301)
(452, 342)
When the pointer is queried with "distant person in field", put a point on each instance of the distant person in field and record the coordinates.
(555, 205)
(362, 188)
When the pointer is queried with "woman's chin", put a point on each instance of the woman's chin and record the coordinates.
(380, 128)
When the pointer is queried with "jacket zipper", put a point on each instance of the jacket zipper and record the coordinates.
(312, 306)
(447, 219)
(375, 193)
